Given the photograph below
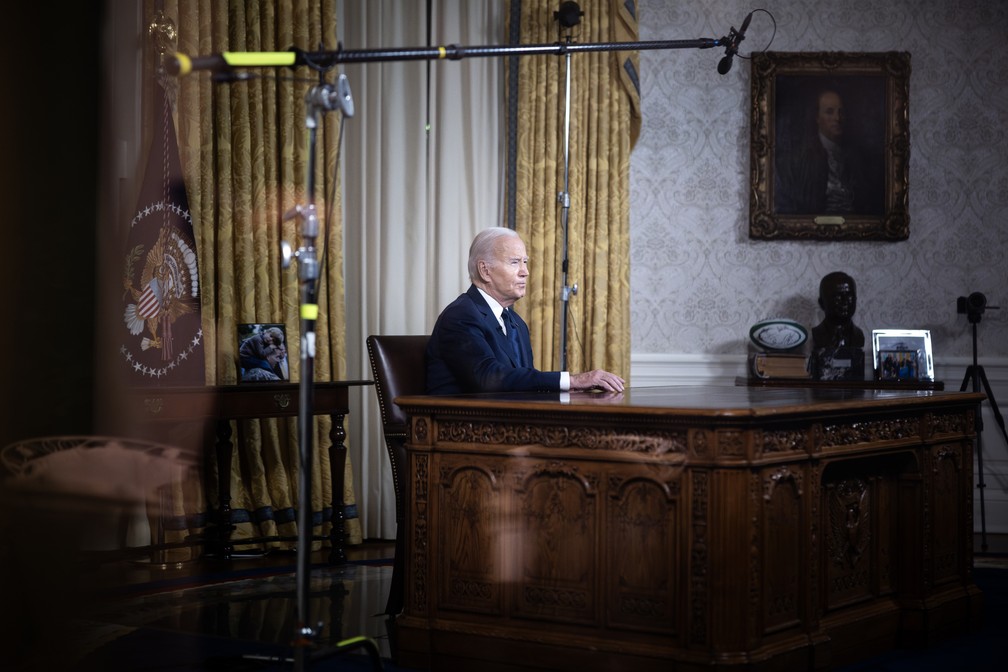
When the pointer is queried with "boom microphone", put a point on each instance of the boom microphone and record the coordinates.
(181, 64)
(734, 39)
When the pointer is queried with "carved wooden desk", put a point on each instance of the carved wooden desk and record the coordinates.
(686, 528)
(225, 403)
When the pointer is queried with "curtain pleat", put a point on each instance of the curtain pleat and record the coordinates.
(423, 175)
(244, 153)
(604, 120)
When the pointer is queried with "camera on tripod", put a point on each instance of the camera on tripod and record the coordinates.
(973, 306)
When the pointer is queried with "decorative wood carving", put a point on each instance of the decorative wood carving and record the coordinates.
(785, 440)
(756, 555)
(699, 558)
(557, 517)
(420, 549)
(949, 423)
(420, 429)
(813, 557)
(888, 429)
(778, 475)
(850, 529)
(552, 436)
(643, 526)
(470, 514)
(566, 535)
(701, 442)
(949, 498)
(731, 443)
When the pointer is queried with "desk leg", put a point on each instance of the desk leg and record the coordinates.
(337, 468)
(225, 449)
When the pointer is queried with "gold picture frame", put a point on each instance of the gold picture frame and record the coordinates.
(795, 99)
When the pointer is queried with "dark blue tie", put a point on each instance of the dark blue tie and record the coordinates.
(512, 335)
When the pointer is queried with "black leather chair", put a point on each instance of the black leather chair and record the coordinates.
(399, 367)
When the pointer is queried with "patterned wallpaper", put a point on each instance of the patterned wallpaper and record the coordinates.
(698, 282)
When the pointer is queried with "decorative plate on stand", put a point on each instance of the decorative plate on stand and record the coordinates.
(778, 334)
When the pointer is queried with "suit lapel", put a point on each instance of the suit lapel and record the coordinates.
(490, 320)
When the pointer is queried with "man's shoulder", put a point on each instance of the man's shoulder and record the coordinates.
(468, 300)
(461, 301)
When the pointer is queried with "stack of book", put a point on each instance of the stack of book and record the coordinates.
(779, 353)
(779, 365)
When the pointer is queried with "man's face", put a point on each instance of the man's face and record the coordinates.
(830, 117)
(507, 273)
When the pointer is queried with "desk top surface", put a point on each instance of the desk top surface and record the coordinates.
(696, 400)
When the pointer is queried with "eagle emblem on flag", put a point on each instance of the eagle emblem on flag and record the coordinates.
(163, 335)
(168, 288)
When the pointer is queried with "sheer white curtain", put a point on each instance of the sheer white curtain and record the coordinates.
(414, 195)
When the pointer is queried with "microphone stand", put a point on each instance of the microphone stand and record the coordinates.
(181, 64)
(564, 199)
(322, 98)
(224, 62)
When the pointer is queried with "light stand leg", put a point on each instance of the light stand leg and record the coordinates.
(998, 417)
(978, 376)
(971, 374)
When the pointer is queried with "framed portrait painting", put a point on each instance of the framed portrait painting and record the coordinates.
(830, 146)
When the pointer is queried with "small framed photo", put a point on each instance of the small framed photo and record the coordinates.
(262, 353)
(902, 354)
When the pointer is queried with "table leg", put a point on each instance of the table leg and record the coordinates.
(337, 468)
(225, 449)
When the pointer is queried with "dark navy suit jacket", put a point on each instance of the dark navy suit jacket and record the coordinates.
(468, 352)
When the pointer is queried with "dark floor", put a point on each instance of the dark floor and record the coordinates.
(159, 615)
(346, 601)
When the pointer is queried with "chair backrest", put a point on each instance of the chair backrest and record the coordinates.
(400, 368)
(399, 365)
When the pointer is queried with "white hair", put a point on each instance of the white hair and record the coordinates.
(483, 246)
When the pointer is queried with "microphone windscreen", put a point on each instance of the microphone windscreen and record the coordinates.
(745, 23)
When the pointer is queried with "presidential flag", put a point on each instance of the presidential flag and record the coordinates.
(162, 335)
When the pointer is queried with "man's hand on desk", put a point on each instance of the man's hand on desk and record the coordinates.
(597, 380)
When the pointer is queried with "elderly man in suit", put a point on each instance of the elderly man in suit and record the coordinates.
(479, 344)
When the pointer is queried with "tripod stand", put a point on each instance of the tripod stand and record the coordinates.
(978, 376)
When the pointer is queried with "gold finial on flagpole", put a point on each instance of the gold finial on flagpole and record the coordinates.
(162, 31)
(163, 36)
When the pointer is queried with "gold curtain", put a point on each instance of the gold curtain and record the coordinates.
(604, 123)
(244, 152)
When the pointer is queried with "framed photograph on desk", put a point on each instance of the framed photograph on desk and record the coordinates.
(902, 354)
(262, 353)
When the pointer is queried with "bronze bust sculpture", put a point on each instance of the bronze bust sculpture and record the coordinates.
(838, 299)
(837, 343)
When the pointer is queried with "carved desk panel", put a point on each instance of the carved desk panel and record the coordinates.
(686, 528)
